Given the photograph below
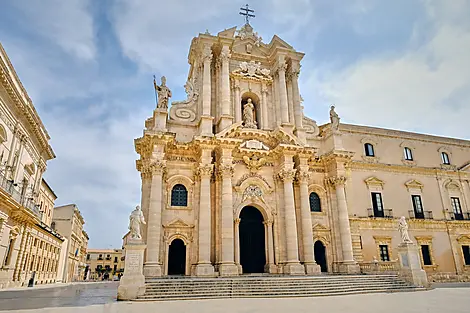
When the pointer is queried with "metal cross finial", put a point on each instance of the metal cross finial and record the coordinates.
(248, 13)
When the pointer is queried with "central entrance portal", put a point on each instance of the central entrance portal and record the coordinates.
(177, 257)
(252, 241)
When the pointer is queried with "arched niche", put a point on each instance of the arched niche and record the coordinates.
(257, 104)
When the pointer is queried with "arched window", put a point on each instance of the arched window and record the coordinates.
(315, 203)
(408, 154)
(369, 149)
(445, 158)
(179, 195)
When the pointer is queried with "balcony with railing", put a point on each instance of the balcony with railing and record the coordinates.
(424, 215)
(463, 216)
(385, 213)
(27, 201)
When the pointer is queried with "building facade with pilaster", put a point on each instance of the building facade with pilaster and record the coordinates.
(29, 247)
(235, 179)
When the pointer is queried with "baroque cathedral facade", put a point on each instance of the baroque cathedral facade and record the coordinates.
(235, 179)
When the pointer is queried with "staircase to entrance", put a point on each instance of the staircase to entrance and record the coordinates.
(270, 286)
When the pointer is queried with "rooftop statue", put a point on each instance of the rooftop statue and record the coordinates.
(164, 93)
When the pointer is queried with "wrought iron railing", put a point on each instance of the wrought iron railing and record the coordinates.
(12, 189)
(460, 216)
(386, 213)
(425, 215)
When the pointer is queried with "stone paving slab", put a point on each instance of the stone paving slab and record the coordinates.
(441, 300)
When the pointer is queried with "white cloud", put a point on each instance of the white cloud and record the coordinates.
(66, 23)
(425, 89)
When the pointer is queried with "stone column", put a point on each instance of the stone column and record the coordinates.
(226, 118)
(307, 235)
(349, 265)
(271, 267)
(146, 188)
(290, 99)
(237, 244)
(264, 106)
(153, 265)
(204, 266)
(21, 253)
(20, 155)
(227, 266)
(281, 69)
(295, 71)
(205, 126)
(237, 106)
(293, 265)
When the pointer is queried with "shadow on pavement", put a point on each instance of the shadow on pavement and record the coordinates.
(73, 295)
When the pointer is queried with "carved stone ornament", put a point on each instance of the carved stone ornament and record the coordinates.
(334, 119)
(254, 163)
(287, 175)
(252, 192)
(336, 181)
(225, 54)
(303, 176)
(157, 167)
(164, 94)
(253, 69)
(207, 53)
(205, 170)
(225, 170)
(247, 32)
(254, 144)
(185, 110)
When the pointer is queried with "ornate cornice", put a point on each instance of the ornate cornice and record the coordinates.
(303, 176)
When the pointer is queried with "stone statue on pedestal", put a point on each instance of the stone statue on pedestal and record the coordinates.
(164, 93)
(136, 218)
(334, 118)
(403, 229)
(248, 114)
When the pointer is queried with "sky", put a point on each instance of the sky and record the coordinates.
(88, 66)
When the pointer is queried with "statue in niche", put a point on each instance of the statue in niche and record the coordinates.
(249, 114)
(334, 118)
(164, 93)
(403, 229)
(135, 220)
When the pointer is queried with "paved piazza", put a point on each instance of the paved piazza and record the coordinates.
(101, 298)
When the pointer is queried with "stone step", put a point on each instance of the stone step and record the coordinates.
(277, 295)
(270, 286)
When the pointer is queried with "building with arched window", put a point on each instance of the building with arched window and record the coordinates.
(236, 179)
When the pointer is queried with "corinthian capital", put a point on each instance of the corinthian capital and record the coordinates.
(207, 53)
(282, 66)
(303, 176)
(157, 167)
(287, 175)
(336, 181)
(205, 170)
(225, 54)
(225, 170)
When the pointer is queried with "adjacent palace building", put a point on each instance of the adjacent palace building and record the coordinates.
(31, 249)
(235, 179)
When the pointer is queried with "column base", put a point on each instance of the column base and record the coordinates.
(350, 267)
(152, 270)
(204, 269)
(271, 269)
(312, 268)
(205, 126)
(228, 269)
(224, 122)
(288, 127)
(294, 269)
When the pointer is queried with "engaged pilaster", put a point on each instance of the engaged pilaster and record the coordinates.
(153, 266)
(204, 266)
(226, 118)
(298, 115)
(348, 265)
(205, 125)
(281, 69)
(227, 266)
(293, 265)
(307, 236)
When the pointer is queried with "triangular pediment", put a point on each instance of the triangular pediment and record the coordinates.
(319, 227)
(229, 33)
(465, 167)
(277, 42)
(178, 223)
(249, 46)
(374, 181)
(413, 183)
